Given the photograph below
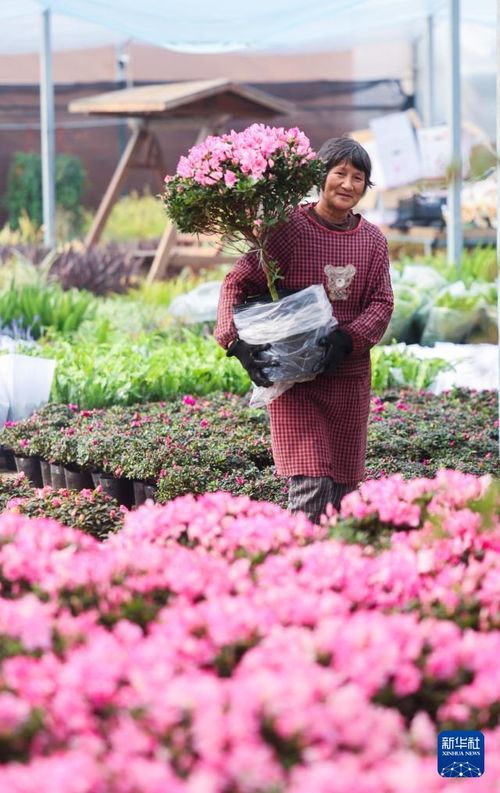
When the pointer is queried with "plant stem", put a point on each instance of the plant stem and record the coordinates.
(270, 267)
(272, 274)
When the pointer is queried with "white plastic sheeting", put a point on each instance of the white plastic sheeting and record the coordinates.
(224, 25)
(198, 305)
(474, 365)
(25, 384)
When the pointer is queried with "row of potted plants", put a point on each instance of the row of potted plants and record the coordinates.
(129, 450)
(196, 444)
(89, 510)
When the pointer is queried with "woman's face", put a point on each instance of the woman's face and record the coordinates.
(344, 187)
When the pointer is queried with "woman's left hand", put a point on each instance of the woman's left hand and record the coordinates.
(337, 345)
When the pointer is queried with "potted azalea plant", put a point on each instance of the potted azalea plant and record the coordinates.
(241, 186)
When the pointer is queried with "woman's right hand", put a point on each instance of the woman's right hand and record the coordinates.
(248, 356)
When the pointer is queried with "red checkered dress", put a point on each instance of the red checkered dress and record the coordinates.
(319, 428)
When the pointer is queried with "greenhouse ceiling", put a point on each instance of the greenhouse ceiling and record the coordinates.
(224, 25)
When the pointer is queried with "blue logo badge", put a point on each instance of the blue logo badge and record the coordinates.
(460, 753)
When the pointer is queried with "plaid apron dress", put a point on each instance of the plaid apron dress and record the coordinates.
(319, 428)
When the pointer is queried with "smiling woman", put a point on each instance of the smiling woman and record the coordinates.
(319, 428)
(346, 181)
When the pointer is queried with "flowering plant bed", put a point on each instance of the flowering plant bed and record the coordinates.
(219, 644)
(415, 433)
(197, 444)
(242, 185)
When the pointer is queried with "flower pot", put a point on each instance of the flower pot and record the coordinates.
(96, 478)
(58, 476)
(77, 480)
(31, 467)
(9, 459)
(46, 475)
(151, 491)
(119, 489)
(139, 492)
(293, 327)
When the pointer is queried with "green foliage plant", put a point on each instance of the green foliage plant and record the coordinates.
(394, 366)
(24, 186)
(38, 307)
(153, 366)
(26, 232)
(105, 367)
(161, 293)
(477, 265)
(133, 217)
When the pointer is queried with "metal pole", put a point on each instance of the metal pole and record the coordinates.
(47, 134)
(454, 226)
(429, 76)
(121, 77)
(498, 201)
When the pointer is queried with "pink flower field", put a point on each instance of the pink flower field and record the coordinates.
(221, 645)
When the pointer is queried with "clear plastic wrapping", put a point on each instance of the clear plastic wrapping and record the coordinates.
(293, 326)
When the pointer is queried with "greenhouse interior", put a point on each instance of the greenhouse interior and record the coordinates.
(249, 413)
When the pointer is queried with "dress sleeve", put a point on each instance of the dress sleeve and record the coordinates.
(369, 326)
(247, 278)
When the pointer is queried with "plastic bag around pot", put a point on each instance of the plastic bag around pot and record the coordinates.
(293, 326)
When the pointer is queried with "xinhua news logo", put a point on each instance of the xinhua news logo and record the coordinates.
(460, 753)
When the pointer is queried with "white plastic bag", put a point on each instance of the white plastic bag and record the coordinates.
(26, 381)
(293, 326)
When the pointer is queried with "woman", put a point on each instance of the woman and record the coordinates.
(319, 428)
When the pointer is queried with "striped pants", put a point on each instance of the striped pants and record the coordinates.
(311, 494)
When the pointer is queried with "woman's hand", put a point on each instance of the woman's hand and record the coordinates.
(337, 345)
(248, 356)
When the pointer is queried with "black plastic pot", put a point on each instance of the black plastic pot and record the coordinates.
(46, 475)
(58, 476)
(96, 478)
(120, 489)
(295, 357)
(139, 492)
(77, 480)
(31, 467)
(9, 459)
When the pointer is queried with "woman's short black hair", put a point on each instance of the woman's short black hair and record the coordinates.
(337, 150)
